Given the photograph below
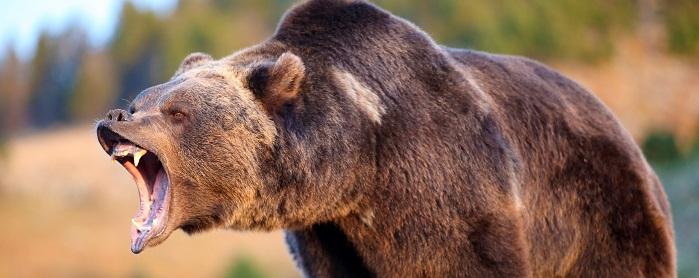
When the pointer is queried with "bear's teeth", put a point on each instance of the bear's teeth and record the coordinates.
(119, 153)
(140, 226)
(137, 156)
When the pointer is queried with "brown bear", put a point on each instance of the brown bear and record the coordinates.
(382, 153)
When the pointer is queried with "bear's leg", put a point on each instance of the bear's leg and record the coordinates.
(323, 250)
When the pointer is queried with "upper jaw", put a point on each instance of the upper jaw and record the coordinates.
(109, 133)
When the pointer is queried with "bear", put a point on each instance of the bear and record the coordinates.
(381, 153)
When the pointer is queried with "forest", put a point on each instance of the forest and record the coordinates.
(67, 80)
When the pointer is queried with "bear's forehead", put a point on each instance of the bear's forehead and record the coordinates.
(196, 84)
(214, 76)
(214, 69)
(212, 73)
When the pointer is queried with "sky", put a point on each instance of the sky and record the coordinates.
(21, 21)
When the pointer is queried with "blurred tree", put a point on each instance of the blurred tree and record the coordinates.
(682, 25)
(53, 73)
(137, 51)
(544, 29)
(13, 93)
(95, 88)
(661, 147)
(217, 27)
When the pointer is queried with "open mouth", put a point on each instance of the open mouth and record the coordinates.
(153, 190)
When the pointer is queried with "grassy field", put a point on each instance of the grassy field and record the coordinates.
(66, 210)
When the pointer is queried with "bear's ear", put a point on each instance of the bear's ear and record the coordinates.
(278, 83)
(193, 60)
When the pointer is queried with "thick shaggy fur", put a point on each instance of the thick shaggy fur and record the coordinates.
(385, 154)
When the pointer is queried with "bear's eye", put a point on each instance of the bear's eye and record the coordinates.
(178, 116)
(176, 112)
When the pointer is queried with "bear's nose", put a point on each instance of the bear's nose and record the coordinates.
(119, 115)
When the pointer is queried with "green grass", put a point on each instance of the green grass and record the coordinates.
(244, 267)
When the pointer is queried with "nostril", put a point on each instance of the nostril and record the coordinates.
(119, 115)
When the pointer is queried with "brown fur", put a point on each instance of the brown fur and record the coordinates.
(384, 154)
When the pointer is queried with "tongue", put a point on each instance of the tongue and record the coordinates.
(152, 214)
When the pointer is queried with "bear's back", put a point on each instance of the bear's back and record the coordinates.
(586, 189)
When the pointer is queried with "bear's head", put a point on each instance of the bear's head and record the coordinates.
(198, 145)
(282, 135)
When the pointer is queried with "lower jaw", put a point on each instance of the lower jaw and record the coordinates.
(144, 231)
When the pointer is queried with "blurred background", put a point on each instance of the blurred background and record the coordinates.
(63, 64)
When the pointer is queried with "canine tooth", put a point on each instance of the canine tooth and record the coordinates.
(137, 156)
